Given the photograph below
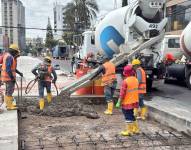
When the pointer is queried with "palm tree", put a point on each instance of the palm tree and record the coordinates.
(80, 12)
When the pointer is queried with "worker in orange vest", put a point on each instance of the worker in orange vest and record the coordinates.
(129, 98)
(8, 74)
(43, 73)
(109, 81)
(141, 76)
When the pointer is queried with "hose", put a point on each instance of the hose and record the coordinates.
(56, 88)
(30, 85)
(18, 91)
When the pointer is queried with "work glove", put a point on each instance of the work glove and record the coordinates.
(118, 105)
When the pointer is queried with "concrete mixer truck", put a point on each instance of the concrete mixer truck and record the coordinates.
(134, 31)
(181, 70)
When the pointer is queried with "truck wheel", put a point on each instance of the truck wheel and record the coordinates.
(149, 84)
(188, 80)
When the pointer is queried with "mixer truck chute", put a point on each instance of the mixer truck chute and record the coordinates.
(127, 31)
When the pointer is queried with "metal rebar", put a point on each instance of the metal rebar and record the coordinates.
(41, 145)
(118, 140)
(75, 141)
(22, 144)
(58, 142)
(102, 139)
(91, 140)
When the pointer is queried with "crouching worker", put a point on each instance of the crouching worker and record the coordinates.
(129, 98)
(8, 74)
(44, 72)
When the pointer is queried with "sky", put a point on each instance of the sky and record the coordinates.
(38, 11)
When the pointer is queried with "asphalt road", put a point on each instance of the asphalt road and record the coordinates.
(174, 90)
(65, 65)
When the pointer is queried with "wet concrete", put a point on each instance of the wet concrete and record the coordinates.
(61, 106)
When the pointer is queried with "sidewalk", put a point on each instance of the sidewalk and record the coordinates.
(173, 113)
(9, 130)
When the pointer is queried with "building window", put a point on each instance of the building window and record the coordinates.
(174, 43)
(179, 16)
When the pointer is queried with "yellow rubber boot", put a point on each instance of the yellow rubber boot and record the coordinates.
(144, 111)
(135, 128)
(41, 103)
(136, 112)
(128, 130)
(9, 103)
(109, 110)
(14, 102)
(49, 97)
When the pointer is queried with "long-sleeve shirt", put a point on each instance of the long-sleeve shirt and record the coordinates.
(123, 90)
(34, 71)
(139, 75)
(9, 62)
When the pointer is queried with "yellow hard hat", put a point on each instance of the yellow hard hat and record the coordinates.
(136, 62)
(48, 59)
(15, 47)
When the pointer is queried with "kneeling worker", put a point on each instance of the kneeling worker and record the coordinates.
(44, 72)
(141, 76)
(109, 81)
(8, 74)
(129, 98)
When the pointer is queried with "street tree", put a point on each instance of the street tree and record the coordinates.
(50, 42)
(79, 13)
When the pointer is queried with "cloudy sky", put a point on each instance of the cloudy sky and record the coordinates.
(38, 11)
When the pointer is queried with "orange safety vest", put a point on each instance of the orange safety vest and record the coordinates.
(49, 78)
(142, 84)
(132, 95)
(109, 75)
(4, 75)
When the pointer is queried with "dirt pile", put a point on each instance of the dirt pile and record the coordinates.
(61, 106)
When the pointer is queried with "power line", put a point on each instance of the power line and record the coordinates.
(33, 28)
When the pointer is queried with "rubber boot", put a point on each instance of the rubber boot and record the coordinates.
(128, 130)
(135, 128)
(9, 103)
(143, 113)
(136, 112)
(49, 97)
(41, 104)
(14, 102)
(109, 110)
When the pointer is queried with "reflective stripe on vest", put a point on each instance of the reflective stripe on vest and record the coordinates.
(48, 77)
(142, 84)
(132, 94)
(4, 74)
(110, 74)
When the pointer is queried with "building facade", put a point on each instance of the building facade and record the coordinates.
(13, 20)
(58, 20)
(1, 39)
(179, 15)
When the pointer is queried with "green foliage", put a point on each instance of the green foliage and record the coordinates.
(50, 42)
(79, 13)
(124, 3)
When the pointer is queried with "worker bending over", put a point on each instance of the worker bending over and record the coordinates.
(8, 74)
(43, 73)
(141, 76)
(109, 81)
(129, 98)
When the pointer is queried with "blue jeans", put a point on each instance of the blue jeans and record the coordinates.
(9, 88)
(129, 115)
(141, 101)
(41, 86)
(109, 91)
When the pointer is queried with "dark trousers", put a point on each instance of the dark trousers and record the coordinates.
(109, 91)
(44, 85)
(129, 115)
(9, 88)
